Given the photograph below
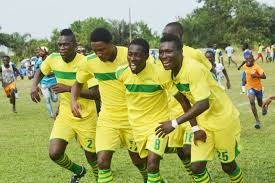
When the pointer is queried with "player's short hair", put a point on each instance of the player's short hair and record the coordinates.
(141, 42)
(177, 25)
(68, 32)
(101, 34)
(172, 38)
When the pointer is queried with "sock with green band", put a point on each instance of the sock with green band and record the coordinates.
(94, 166)
(65, 162)
(105, 176)
(236, 176)
(201, 177)
(187, 166)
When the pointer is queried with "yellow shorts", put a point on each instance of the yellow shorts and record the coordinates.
(180, 136)
(110, 139)
(83, 130)
(147, 140)
(9, 88)
(225, 142)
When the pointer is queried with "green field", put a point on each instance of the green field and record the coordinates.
(24, 142)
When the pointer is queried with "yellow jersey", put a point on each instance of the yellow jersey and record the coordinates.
(197, 83)
(113, 107)
(65, 73)
(146, 96)
(196, 55)
(190, 54)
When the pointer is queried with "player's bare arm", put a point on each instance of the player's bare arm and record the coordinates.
(35, 90)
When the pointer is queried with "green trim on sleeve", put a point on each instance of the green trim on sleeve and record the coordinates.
(54, 55)
(183, 87)
(121, 70)
(91, 57)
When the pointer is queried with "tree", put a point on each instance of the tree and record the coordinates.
(229, 21)
(53, 40)
(121, 31)
(251, 22)
(83, 29)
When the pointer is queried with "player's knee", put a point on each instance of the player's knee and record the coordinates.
(103, 165)
(104, 162)
(90, 156)
(152, 167)
(260, 103)
(184, 152)
(48, 100)
(229, 167)
(55, 154)
(198, 168)
(137, 162)
(12, 93)
(252, 102)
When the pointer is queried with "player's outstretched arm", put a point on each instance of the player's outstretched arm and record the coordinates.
(241, 65)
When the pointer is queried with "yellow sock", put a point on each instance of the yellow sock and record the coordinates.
(187, 166)
(154, 178)
(105, 176)
(65, 162)
(201, 177)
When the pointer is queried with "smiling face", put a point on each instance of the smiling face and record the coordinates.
(250, 61)
(136, 58)
(169, 55)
